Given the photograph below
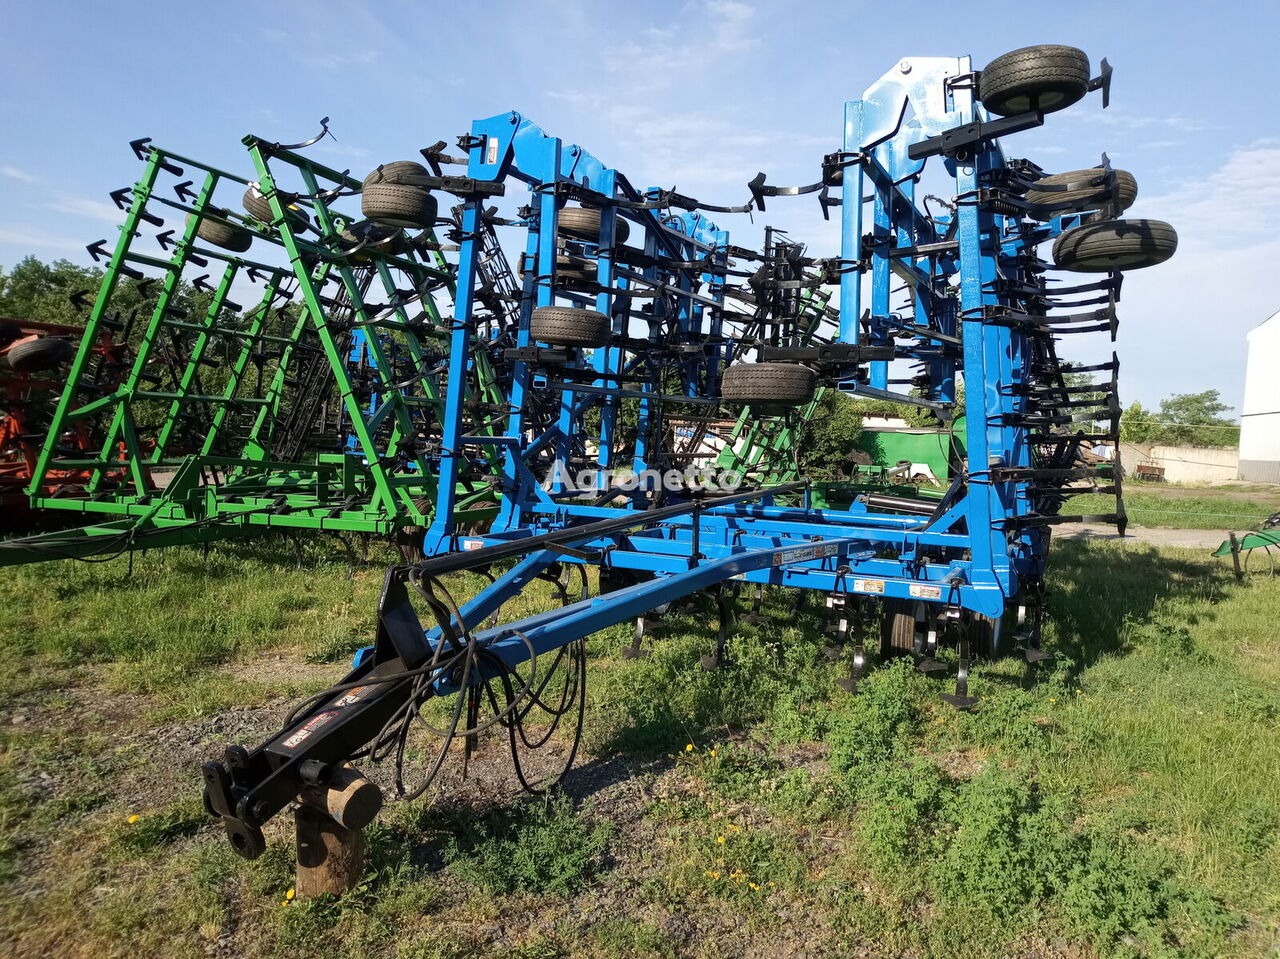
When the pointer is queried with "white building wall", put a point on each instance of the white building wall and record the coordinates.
(1182, 464)
(1260, 412)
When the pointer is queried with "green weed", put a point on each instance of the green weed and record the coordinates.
(537, 846)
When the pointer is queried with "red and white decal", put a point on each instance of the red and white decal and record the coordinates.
(919, 591)
(310, 726)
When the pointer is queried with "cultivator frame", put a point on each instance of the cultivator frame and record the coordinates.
(337, 396)
(980, 303)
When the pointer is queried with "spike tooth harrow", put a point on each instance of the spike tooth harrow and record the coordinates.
(315, 408)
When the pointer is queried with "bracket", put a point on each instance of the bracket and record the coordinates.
(959, 140)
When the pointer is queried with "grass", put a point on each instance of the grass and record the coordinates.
(1152, 504)
(1124, 802)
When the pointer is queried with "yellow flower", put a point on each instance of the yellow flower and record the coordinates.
(754, 887)
(134, 818)
(720, 839)
(688, 747)
(289, 895)
(771, 883)
(1053, 699)
(713, 752)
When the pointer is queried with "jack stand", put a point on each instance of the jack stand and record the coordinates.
(330, 820)
(724, 608)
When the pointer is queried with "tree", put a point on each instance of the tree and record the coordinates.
(40, 292)
(831, 437)
(1138, 425)
(1195, 419)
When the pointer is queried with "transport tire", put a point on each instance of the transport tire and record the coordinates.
(1107, 245)
(773, 384)
(898, 628)
(46, 353)
(225, 235)
(571, 268)
(394, 171)
(259, 207)
(583, 223)
(396, 205)
(569, 326)
(1126, 190)
(1046, 77)
(372, 237)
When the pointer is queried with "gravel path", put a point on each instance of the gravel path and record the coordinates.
(1209, 539)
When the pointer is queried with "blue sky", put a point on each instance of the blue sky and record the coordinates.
(699, 95)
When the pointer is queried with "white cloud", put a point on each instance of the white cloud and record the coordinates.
(83, 206)
(1183, 323)
(1123, 119)
(15, 174)
(27, 237)
(334, 148)
(1234, 207)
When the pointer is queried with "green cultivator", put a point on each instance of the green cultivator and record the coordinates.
(283, 370)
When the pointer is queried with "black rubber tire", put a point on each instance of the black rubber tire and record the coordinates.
(229, 237)
(583, 223)
(1107, 245)
(375, 237)
(396, 205)
(775, 384)
(898, 628)
(984, 643)
(571, 268)
(393, 172)
(259, 207)
(1126, 190)
(569, 326)
(46, 353)
(1046, 77)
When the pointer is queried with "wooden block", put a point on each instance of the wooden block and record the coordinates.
(330, 856)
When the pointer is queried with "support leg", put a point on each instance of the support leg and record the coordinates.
(330, 856)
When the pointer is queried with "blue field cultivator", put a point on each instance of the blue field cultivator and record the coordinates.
(636, 316)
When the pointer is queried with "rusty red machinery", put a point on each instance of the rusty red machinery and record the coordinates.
(33, 358)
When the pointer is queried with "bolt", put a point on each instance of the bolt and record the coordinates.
(259, 810)
(904, 66)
